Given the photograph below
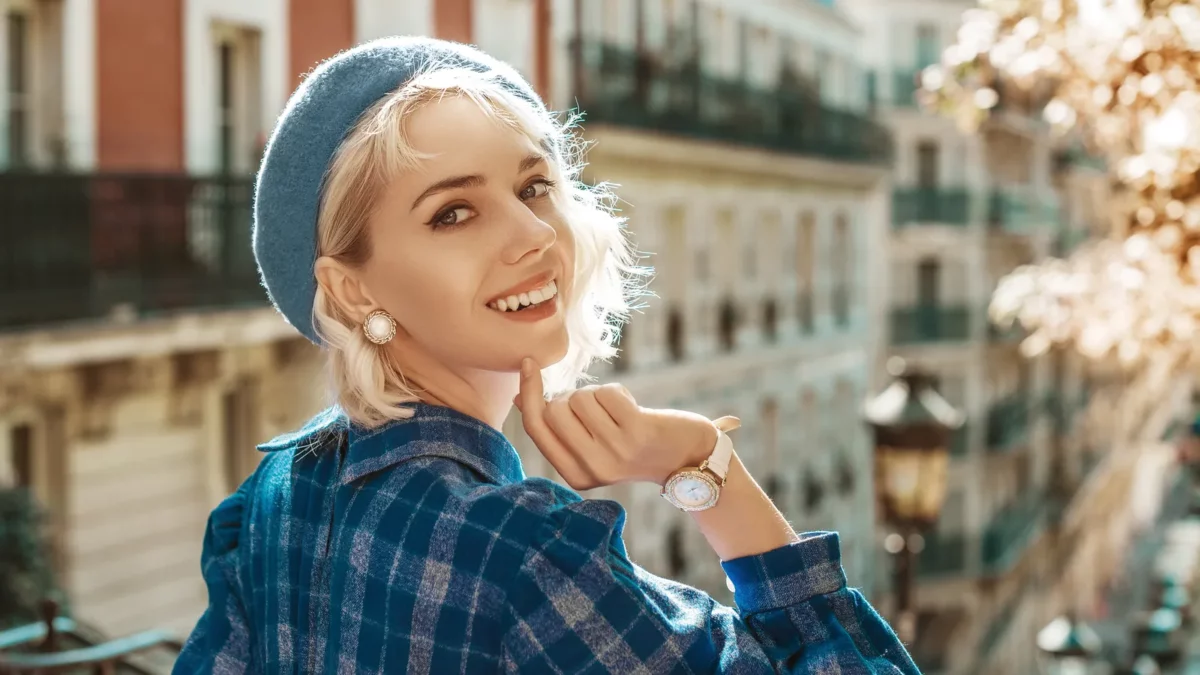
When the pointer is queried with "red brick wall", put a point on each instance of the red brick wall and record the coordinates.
(452, 20)
(317, 29)
(139, 85)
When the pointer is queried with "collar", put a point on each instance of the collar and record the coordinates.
(432, 431)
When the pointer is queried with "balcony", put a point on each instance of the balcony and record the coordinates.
(930, 206)
(930, 323)
(619, 86)
(1008, 423)
(1010, 531)
(1020, 213)
(88, 246)
(945, 554)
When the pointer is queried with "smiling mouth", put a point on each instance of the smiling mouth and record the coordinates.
(523, 301)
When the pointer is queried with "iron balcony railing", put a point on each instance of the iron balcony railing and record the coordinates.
(945, 554)
(930, 323)
(1010, 531)
(930, 205)
(1020, 213)
(621, 86)
(1007, 422)
(86, 246)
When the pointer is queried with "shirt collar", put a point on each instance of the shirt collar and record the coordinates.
(432, 431)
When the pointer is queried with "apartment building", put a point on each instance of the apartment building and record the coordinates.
(966, 210)
(139, 364)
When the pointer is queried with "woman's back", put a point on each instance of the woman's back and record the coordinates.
(421, 547)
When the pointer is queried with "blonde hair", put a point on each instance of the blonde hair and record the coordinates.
(367, 383)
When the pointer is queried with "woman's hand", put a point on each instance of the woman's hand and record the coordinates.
(598, 435)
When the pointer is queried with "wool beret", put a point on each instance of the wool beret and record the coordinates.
(318, 116)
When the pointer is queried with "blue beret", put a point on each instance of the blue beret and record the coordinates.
(318, 116)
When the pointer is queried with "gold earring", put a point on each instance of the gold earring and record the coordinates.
(379, 327)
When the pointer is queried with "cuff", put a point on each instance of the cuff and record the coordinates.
(787, 575)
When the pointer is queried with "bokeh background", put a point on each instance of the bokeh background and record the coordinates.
(809, 219)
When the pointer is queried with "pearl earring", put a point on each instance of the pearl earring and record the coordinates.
(379, 327)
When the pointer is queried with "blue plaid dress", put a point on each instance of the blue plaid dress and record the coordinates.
(421, 547)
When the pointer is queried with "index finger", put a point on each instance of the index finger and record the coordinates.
(533, 417)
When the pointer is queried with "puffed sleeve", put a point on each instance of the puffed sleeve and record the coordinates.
(578, 604)
(220, 642)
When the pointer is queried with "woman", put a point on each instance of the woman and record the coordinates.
(418, 214)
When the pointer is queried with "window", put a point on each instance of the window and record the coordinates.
(928, 45)
(621, 360)
(846, 476)
(770, 320)
(806, 241)
(814, 491)
(773, 486)
(928, 153)
(21, 449)
(240, 417)
(929, 280)
(240, 137)
(842, 258)
(18, 89)
(727, 325)
(676, 349)
(676, 560)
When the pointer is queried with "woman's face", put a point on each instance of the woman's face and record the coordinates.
(458, 244)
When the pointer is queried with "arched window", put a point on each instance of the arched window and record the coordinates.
(676, 560)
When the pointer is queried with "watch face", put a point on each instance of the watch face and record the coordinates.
(691, 490)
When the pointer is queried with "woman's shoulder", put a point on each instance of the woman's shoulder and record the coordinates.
(546, 514)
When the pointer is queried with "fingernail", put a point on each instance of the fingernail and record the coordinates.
(526, 367)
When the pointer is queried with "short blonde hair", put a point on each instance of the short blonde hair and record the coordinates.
(367, 384)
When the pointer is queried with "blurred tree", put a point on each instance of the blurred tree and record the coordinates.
(26, 576)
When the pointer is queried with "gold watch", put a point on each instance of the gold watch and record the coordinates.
(697, 488)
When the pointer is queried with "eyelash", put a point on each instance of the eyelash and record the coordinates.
(438, 225)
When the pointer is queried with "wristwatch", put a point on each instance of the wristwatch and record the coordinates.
(697, 488)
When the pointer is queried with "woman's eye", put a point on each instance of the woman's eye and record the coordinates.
(453, 216)
(535, 190)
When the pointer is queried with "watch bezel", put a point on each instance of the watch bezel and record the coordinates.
(668, 489)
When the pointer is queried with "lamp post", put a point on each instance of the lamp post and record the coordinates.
(1069, 646)
(912, 425)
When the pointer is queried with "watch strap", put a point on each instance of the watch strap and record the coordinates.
(722, 454)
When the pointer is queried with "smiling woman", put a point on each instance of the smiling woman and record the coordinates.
(436, 236)
(452, 253)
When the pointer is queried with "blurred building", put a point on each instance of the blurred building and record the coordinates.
(967, 209)
(138, 362)
(748, 169)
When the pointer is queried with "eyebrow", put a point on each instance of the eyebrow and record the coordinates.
(475, 180)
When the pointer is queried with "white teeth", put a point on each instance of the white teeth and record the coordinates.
(534, 297)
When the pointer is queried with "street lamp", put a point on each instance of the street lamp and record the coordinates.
(912, 424)
(1068, 646)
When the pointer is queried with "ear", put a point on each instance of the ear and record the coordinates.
(344, 285)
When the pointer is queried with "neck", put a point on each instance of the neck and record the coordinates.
(483, 394)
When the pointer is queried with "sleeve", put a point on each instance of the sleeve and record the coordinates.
(578, 604)
(220, 642)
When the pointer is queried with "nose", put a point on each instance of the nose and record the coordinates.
(527, 236)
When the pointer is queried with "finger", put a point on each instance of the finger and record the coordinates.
(578, 440)
(618, 403)
(593, 415)
(533, 409)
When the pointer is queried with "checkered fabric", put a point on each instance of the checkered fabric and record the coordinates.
(421, 547)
